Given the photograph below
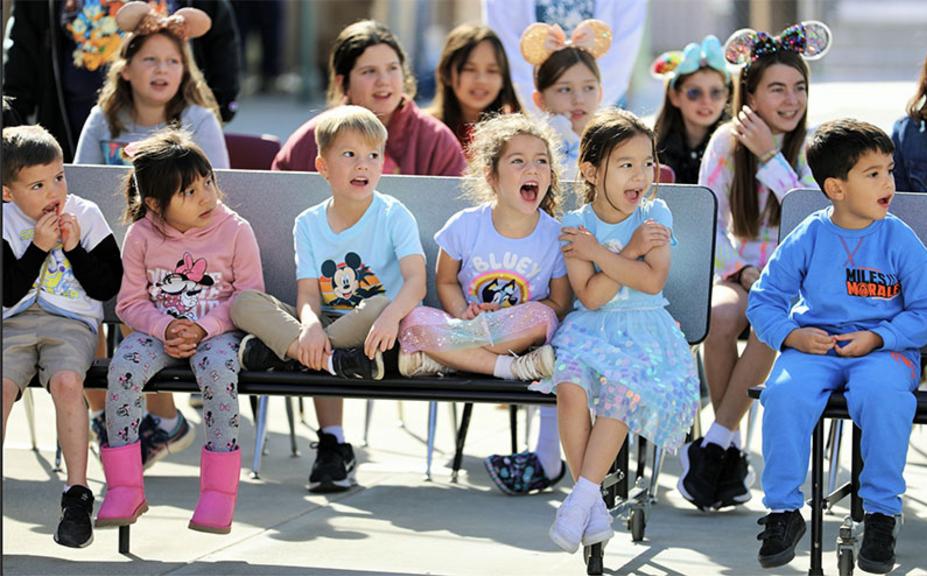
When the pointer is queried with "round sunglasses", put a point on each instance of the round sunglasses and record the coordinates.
(696, 94)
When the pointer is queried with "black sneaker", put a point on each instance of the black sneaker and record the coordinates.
(352, 363)
(701, 471)
(253, 354)
(157, 443)
(333, 469)
(782, 533)
(877, 554)
(98, 430)
(736, 478)
(75, 530)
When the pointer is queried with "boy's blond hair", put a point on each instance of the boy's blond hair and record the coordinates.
(25, 146)
(333, 122)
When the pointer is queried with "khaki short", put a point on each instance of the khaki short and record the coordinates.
(39, 341)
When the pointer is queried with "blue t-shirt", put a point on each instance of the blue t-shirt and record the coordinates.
(359, 262)
(500, 270)
(615, 237)
(846, 281)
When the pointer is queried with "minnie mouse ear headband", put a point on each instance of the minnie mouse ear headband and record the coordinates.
(187, 23)
(811, 39)
(540, 40)
(674, 64)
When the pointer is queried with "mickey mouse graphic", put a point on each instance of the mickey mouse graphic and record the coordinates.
(179, 290)
(351, 281)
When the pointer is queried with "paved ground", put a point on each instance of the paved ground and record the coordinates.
(395, 522)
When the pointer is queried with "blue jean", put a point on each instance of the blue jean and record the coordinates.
(879, 391)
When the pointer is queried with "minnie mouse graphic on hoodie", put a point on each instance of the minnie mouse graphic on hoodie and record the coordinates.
(195, 274)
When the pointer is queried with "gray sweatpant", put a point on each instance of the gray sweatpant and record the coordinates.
(215, 366)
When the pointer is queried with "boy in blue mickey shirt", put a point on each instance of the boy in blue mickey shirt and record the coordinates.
(858, 325)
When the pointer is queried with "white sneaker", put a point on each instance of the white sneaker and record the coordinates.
(421, 364)
(570, 524)
(537, 364)
(599, 528)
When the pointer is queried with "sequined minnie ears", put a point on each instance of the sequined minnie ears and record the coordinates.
(811, 39)
(674, 64)
(540, 40)
(140, 18)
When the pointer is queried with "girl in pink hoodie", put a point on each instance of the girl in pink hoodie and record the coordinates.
(186, 256)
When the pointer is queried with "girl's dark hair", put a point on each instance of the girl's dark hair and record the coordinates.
(460, 43)
(559, 62)
(607, 130)
(669, 120)
(116, 93)
(917, 107)
(348, 47)
(745, 209)
(163, 165)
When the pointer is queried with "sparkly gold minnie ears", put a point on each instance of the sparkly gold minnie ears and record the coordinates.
(140, 18)
(540, 40)
(811, 39)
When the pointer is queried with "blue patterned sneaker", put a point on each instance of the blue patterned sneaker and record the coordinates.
(157, 443)
(520, 474)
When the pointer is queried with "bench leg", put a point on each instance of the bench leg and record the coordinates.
(290, 419)
(513, 426)
(432, 426)
(124, 539)
(368, 414)
(29, 403)
(817, 497)
(260, 435)
(461, 439)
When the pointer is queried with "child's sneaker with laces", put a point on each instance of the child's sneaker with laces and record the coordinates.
(75, 529)
(333, 469)
(701, 471)
(782, 532)
(353, 364)
(570, 524)
(421, 364)
(877, 554)
(599, 528)
(736, 478)
(157, 443)
(535, 365)
(254, 355)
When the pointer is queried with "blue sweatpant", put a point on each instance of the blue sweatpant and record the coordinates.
(879, 391)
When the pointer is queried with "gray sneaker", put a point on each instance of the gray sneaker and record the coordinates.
(535, 365)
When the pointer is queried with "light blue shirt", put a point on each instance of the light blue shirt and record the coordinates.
(361, 261)
(615, 237)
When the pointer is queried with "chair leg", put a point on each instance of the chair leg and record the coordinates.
(368, 414)
(513, 426)
(260, 435)
(400, 410)
(836, 433)
(29, 403)
(58, 455)
(294, 448)
(658, 457)
(817, 497)
(751, 424)
(432, 429)
(452, 408)
(530, 411)
(461, 439)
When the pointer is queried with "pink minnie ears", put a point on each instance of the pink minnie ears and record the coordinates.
(811, 39)
(540, 40)
(140, 18)
(674, 64)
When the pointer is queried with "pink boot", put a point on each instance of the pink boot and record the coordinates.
(124, 501)
(219, 472)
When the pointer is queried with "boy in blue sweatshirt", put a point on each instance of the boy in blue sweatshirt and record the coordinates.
(858, 325)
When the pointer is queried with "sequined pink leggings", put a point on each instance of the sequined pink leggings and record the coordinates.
(429, 329)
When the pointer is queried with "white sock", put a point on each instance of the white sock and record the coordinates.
(329, 366)
(336, 431)
(503, 368)
(66, 488)
(168, 424)
(96, 413)
(586, 492)
(719, 435)
(736, 442)
(548, 446)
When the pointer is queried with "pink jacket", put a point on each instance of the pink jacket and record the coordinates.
(418, 144)
(194, 275)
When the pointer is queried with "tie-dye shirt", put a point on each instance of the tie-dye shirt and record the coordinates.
(717, 173)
